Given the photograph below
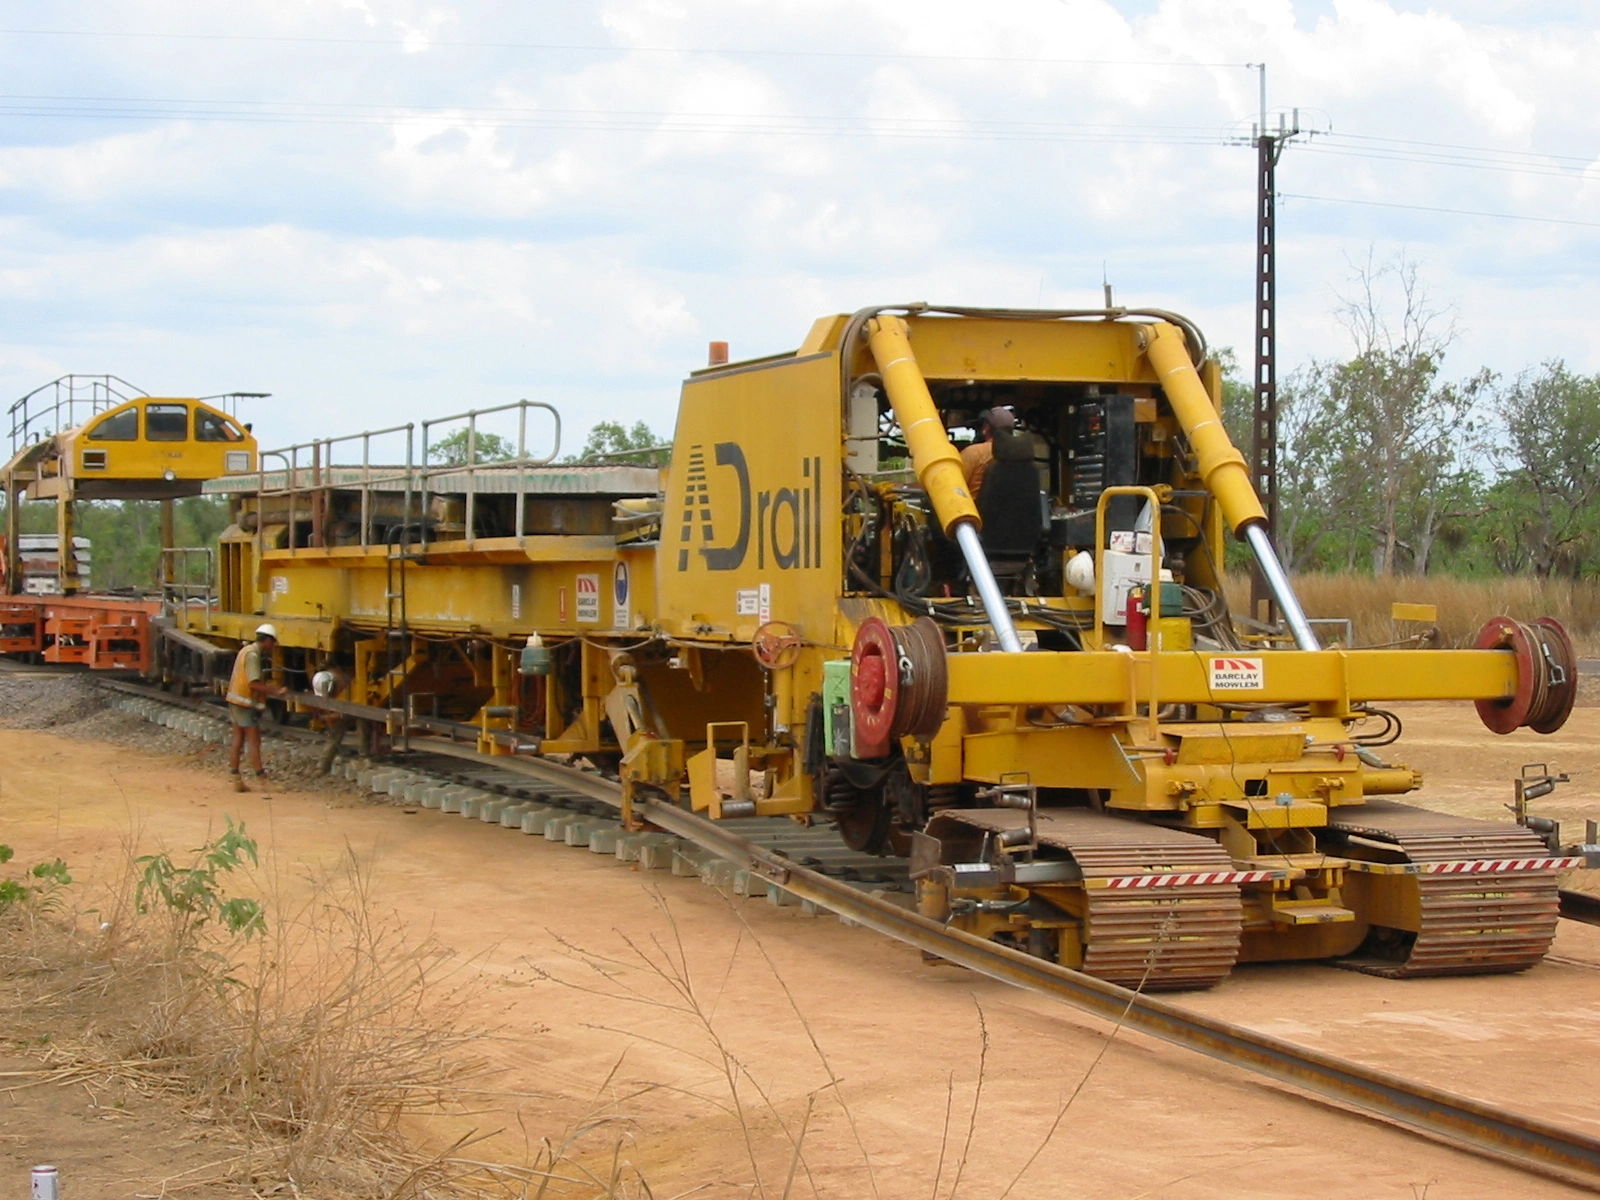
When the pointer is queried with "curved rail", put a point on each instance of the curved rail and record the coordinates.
(1522, 1141)
(1580, 906)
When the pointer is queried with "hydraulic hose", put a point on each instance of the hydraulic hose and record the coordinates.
(1222, 467)
(937, 463)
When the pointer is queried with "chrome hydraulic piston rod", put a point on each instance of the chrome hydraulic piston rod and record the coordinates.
(1223, 468)
(937, 464)
(988, 590)
(1278, 583)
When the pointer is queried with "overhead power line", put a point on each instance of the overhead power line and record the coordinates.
(1584, 159)
(1484, 160)
(1429, 208)
(858, 125)
(629, 120)
(422, 41)
(136, 108)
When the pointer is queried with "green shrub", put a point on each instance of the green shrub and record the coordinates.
(193, 894)
(51, 877)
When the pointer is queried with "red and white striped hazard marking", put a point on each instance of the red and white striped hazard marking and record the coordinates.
(1494, 866)
(1181, 879)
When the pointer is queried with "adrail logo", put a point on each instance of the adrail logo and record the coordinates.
(785, 524)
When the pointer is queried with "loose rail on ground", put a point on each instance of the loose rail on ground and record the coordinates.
(1577, 906)
(1522, 1141)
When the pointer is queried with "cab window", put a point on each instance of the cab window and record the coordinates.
(166, 422)
(214, 427)
(118, 427)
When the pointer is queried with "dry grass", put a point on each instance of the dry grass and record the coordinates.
(1464, 604)
(657, 977)
(306, 1047)
(770, 1119)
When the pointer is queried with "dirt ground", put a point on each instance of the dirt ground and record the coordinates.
(878, 1056)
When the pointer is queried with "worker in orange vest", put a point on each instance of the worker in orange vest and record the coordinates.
(248, 690)
(975, 459)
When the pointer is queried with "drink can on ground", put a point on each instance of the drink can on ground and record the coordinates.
(46, 1183)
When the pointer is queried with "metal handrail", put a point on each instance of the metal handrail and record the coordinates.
(321, 452)
(664, 448)
(178, 585)
(30, 415)
(520, 461)
(317, 458)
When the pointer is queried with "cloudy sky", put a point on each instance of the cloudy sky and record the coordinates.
(380, 210)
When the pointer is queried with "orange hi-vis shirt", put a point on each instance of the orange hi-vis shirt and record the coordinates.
(246, 670)
(975, 460)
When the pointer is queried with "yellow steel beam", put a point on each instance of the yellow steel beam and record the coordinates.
(1000, 349)
(310, 633)
(1286, 676)
(534, 548)
(572, 593)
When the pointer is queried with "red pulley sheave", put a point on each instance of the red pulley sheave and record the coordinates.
(874, 687)
(1547, 675)
(899, 684)
(1502, 716)
(1562, 676)
(924, 679)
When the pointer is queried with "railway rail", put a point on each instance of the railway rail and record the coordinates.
(792, 864)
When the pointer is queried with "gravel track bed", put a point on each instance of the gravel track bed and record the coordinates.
(75, 706)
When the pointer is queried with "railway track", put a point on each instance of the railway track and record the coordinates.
(789, 864)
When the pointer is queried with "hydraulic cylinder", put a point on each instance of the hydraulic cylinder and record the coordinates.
(937, 463)
(1223, 468)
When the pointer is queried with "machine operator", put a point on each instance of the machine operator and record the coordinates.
(248, 691)
(975, 459)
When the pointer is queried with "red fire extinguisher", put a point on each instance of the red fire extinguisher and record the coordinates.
(1138, 617)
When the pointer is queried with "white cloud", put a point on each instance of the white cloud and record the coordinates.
(477, 222)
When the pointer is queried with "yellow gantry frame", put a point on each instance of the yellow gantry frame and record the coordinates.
(1330, 680)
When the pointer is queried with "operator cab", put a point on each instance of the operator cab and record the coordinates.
(1040, 497)
(171, 445)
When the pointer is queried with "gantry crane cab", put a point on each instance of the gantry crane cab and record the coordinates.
(149, 448)
(98, 437)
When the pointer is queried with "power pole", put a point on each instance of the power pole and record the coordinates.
(1264, 423)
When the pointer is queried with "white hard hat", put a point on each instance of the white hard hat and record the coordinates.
(268, 630)
(323, 683)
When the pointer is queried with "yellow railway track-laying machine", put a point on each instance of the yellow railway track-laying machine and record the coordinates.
(807, 615)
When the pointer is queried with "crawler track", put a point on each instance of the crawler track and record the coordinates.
(1523, 1141)
(1181, 934)
(1485, 921)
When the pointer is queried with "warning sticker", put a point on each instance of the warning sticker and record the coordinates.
(747, 602)
(589, 599)
(621, 613)
(1236, 674)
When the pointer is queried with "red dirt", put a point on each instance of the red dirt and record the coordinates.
(903, 1037)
